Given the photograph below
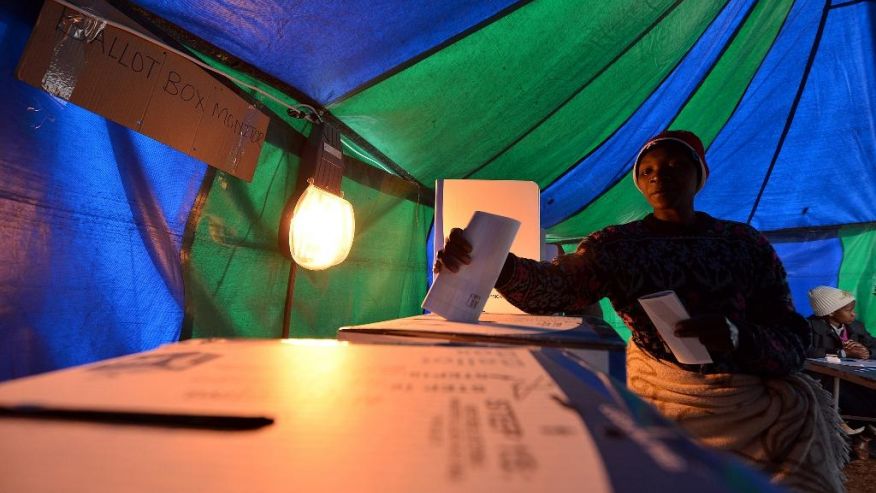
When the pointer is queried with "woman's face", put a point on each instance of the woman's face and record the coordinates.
(844, 315)
(667, 177)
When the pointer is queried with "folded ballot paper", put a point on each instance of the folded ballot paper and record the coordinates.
(461, 296)
(665, 310)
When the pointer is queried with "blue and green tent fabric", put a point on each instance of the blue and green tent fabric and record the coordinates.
(114, 243)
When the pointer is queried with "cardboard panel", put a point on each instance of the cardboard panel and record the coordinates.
(75, 55)
(457, 200)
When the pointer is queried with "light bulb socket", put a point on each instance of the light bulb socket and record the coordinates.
(322, 162)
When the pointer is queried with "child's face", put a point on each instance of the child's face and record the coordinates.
(845, 315)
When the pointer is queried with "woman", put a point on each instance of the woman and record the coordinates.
(752, 399)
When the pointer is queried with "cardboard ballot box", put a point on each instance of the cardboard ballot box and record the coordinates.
(280, 416)
(590, 338)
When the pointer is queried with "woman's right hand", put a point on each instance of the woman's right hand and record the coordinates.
(455, 253)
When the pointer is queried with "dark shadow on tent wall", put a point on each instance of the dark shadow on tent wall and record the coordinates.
(92, 221)
(236, 275)
(148, 216)
(236, 225)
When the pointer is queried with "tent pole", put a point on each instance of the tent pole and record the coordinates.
(287, 308)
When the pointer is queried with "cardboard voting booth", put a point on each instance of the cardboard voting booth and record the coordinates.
(327, 416)
(589, 338)
(457, 200)
(457, 316)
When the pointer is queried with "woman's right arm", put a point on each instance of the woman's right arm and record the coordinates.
(568, 284)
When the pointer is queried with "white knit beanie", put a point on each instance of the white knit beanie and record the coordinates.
(826, 300)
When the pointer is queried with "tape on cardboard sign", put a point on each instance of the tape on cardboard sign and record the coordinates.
(68, 55)
(247, 133)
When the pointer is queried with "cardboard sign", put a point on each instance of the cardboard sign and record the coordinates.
(75, 55)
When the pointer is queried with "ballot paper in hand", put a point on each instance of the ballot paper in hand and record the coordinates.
(665, 310)
(461, 296)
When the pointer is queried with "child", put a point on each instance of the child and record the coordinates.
(835, 331)
(834, 328)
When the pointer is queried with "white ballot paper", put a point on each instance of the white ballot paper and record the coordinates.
(665, 310)
(461, 296)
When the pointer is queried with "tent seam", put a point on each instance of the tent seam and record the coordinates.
(578, 91)
(768, 232)
(188, 240)
(793, 110)
(847, 4)
(364, 86)
(677, 113)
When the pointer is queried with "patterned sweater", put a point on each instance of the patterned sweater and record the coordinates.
(714, 266)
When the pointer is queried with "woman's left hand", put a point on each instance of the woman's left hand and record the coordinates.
(712, 330)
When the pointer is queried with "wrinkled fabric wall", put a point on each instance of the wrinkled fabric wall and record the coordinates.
(561, 93)
(92, 221)
(844, 257)
(236, 277)
(94, 224)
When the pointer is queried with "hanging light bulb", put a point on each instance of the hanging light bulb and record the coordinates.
(321, 229)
